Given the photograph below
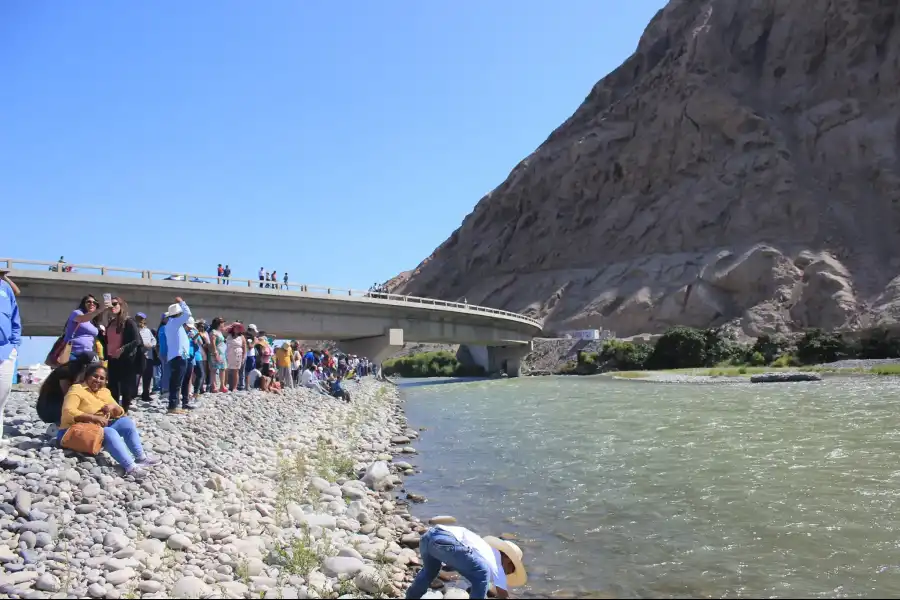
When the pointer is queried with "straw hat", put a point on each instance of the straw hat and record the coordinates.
(174, 309)
(519, 577)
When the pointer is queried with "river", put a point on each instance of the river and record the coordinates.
(634, 489)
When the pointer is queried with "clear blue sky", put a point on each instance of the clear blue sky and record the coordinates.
(184, 134)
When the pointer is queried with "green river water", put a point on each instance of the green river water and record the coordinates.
(628, 489)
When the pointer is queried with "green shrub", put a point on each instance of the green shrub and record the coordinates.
(772, 346)
(756, 359)
(785, 360)
(722, 347)
(879, 344)
(587, 358)
(679, 348)
(430, 364)
(817, 346)
(625, 356)
(570, 368)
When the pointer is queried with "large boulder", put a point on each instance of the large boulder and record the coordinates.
(378, 477)
(785, 377)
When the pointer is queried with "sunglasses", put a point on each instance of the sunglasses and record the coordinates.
(90, 302)
(115, 304)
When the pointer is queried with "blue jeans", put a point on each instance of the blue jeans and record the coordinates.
(122, 440)
(198, 372)
(157, 375)
(437, 548)
(164, 377)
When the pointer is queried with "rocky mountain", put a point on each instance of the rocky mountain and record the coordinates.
(741, 166)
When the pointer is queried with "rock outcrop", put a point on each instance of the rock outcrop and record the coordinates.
(742, 166)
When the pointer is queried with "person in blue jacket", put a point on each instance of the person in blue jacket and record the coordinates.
(10, 340)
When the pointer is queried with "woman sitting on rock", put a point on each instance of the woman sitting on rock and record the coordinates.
(91, 402)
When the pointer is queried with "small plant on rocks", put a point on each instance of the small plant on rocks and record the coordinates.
(299, 557)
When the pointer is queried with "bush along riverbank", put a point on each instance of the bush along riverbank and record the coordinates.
(430, 364)
(718, 351)
(258, 495)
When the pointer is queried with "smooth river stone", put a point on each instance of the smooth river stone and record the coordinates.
(442, 520)
(162, 533)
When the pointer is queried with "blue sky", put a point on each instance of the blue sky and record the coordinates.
(177, 135)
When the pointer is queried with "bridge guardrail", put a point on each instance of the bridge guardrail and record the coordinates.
(194, 279)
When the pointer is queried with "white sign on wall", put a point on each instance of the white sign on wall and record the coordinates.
(583, 334)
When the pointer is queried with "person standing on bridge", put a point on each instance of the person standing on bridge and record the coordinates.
(227, 275)
(10, 340)
(262, 273)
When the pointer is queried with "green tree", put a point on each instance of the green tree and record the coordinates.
(679, 348)
(817, 346)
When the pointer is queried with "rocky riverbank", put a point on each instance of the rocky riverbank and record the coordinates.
(257, 495)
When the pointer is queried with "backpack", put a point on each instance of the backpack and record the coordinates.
(49, 408)
(49, 404)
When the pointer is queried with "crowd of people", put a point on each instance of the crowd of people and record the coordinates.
(107, 356)
(183, 357)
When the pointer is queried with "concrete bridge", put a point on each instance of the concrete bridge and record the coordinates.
(363, 323)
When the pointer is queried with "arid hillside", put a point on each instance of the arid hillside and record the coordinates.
(741, 166)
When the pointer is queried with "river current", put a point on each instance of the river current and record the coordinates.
(635, 489)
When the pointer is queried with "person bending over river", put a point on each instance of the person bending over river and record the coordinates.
(482, 561)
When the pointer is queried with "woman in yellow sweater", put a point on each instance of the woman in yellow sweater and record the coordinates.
(91, 402)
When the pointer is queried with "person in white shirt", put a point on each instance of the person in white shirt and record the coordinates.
(296, 362)
(149, 342)
(482, 561)
(310, 380)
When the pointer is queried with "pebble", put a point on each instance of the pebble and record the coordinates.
(23, 503)
(121, 576)
(336, 566)
(95, 590)
(209, 520)
(162, 533)
(179, 542)
(47, 583)
(442, 520)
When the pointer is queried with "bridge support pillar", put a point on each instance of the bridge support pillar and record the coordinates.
(495, 359)
(377, 348)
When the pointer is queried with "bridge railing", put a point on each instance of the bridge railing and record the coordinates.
(290, 287)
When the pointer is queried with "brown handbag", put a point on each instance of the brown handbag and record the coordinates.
(86, 438)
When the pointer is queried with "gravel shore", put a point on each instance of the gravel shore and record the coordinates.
(258, 495)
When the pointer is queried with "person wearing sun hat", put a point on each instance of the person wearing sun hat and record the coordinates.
(482, 561)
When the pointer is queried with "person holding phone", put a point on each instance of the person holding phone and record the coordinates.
(82, 327)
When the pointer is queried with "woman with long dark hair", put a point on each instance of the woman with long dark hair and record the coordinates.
(217, 357)
(82, 328)
(91, 402)
(235, 352)
(123, 342)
